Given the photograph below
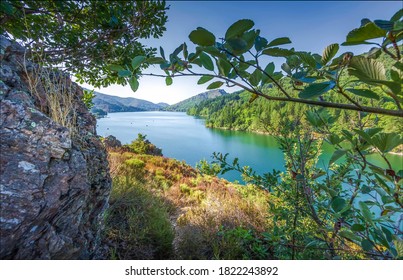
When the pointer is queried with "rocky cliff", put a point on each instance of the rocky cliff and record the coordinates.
(54, 178)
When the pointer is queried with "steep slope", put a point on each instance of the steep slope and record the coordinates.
(184, 105)
(112, 104)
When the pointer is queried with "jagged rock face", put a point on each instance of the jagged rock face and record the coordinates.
(54, 180)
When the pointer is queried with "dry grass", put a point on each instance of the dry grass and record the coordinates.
(211, 217)
(54, 92)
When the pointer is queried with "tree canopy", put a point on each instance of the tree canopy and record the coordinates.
(83, 37)
(315, 79)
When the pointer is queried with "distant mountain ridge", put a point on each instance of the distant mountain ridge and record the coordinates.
(186, 104)
(113, 104)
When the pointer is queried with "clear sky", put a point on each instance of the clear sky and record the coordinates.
(311, 26)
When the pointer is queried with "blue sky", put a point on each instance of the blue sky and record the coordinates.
(311, 26)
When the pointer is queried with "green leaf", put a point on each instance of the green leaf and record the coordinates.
(168, 81)
(279, 41)
(367, 69)
(357, 227)
(239, 45)
(386, 25)
(202, 37)
(336, 155)
(215, 85)
(134, 83)
(177, 51)
(155, 60)
(238, 28)
(162, 53)
(366, 213)
(364, 93)
(286, 68)
(260, 43)
(204, 79)
(224, 67)
(255, 77)
(213, 51)
(364, 135)
(269, 70)
(206, 61)
(124, 73)
(366, 245)
(399, 247)
(7, 8)
(185, 51)
(374, 53)
(386, 142)
(307, 58)
(277, 52)
(329, 52)
(136, 62)
(397, 16)
(115, 68)
(338, 204)
(365, 32)
(314, 90)
(349, 235)
(253, 97)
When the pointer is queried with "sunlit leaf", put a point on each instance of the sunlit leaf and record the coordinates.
(329, 52)
(253, 97)
(363, 33)
(204, 79)
(168, 81)
(215, 85)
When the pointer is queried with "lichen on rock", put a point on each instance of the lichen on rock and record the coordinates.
(54, 179)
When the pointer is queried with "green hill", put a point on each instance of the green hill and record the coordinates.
(112, 104)
(184, 105)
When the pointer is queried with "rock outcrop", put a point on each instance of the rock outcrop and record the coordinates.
(54, 178)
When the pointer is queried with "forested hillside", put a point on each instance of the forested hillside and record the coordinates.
(112, 104)
(237, 112)
(184, 105)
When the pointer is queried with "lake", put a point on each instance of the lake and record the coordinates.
(186, 138)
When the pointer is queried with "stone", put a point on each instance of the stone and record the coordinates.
(111, 142)
(54, 180)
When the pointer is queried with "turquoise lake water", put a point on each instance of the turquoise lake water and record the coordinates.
(186, 138)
